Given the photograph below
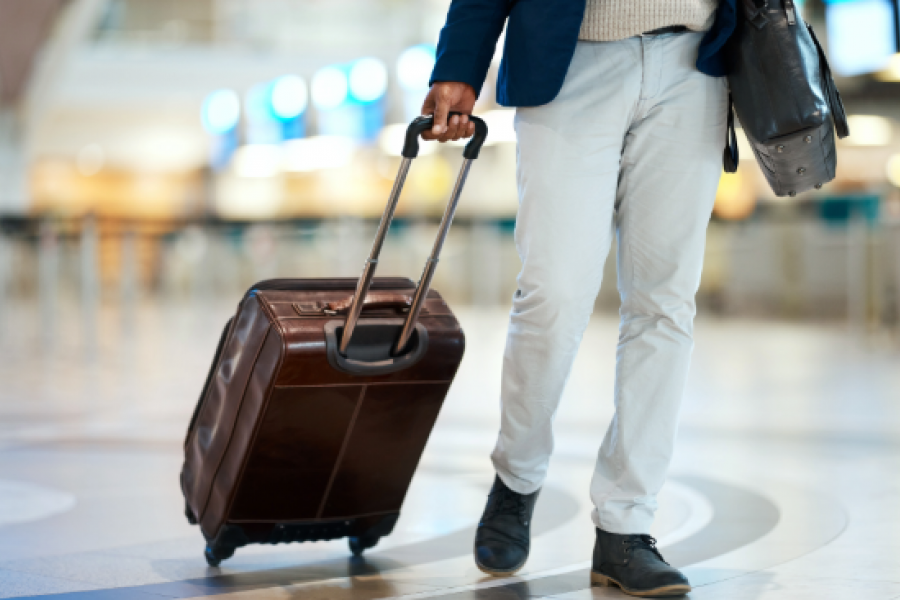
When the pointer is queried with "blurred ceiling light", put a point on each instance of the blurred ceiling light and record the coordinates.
(736, 196)
(868, 130)
(891, 72)
(257, 102)
(501, 127)
(329, 88)
(258, 160)
(320, 152)
(860, 35)
(392, 137)
(893, 170)
(414, 67)
(289, 97)
(221, 112)
(745, 148)
(156, 147)
(90, 160)
(368, 79)
(248, 197)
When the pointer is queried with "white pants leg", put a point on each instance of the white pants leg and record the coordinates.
(632, 146)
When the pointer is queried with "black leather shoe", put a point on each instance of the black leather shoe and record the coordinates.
(633, 563)
(504, 533)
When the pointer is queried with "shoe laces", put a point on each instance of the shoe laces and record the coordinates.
(507, 502)
(643, 542)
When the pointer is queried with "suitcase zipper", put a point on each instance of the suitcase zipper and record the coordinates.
(790, 11)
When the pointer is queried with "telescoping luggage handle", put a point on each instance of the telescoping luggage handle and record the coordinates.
(410, 151)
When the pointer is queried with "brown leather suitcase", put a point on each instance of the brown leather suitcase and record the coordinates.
(317, 407)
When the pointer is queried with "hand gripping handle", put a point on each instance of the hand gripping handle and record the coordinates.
(422, 124)
(410, 151)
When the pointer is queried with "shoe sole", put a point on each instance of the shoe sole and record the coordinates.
(494, 572)
(666, 590)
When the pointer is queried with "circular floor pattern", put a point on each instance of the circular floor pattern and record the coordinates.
(745, 515)
(21, 502)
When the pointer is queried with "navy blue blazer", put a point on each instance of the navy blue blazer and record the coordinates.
(540, 41)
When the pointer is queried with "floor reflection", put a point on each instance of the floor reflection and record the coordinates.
(783, 483)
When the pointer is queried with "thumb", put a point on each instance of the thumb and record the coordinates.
(429, 103)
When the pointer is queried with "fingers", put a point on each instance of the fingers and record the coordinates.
(439, 102)
(463, 129)
(441, 110)
(452, 132)
(458, 127)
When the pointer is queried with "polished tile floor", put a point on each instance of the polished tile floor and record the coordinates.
(786, 483)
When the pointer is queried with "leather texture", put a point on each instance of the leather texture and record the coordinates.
(634, 563)
(373, 300)
(284, 447)
(784, 96)
(503, 537)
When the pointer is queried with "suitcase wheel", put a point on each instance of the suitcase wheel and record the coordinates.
(358, 545)
(214, 556)
(211, 558)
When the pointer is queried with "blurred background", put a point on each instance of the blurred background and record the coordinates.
(157, 157)
(172, 152)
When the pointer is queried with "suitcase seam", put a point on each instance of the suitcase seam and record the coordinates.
(324, 385)
(315, 520)
(342, 452)
(192, 430)
(262, 412)
(213, 369)
(231, 435)
(192, 427)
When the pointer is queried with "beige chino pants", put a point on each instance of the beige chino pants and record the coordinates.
(632, 149)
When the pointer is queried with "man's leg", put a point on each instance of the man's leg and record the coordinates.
(670, 170)
(568, 165)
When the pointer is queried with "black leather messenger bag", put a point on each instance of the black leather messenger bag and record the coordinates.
(784, 96)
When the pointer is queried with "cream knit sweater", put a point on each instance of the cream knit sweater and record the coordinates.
(611, 20)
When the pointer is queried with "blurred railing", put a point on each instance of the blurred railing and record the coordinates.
(796, 268)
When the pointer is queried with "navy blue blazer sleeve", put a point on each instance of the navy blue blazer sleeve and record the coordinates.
(468, 40)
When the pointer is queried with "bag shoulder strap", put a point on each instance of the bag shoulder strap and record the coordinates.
(731, 156)
(834, 96)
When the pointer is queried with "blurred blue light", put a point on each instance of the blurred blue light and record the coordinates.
(261, 126)
(861, 35)
(221, 112)
(368, 80)
(289, 97)
(414, 67)
(329, 88)
(257, 102)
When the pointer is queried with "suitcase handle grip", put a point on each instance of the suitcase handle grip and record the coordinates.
(422, 124)
(372, 301)
(410, 151)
